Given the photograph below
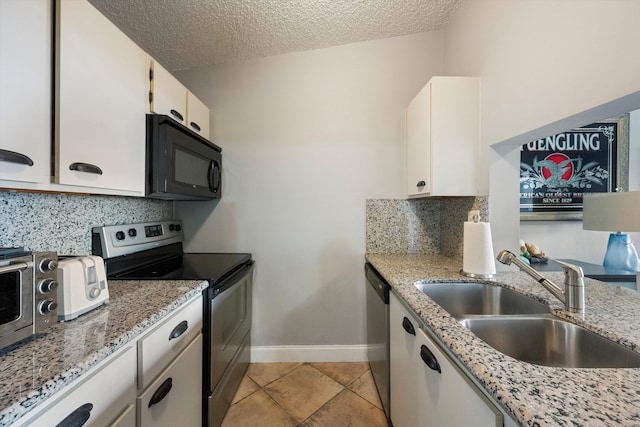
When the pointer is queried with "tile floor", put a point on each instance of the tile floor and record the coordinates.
(306, 394)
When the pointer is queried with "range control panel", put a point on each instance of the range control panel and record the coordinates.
(116, 240)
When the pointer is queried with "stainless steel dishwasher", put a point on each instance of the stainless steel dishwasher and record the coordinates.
(378, 333)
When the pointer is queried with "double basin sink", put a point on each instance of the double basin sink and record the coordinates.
(523, 328)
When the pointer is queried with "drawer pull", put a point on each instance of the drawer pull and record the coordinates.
(179, 330)
(13, 157)
(177, 115)
(85, 167)
(161, 392)
(77, 418)
(429, 359)
(408, 326)
(421, 184)
(195, 126)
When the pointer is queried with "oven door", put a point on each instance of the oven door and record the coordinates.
(16, 300)
(230, 311)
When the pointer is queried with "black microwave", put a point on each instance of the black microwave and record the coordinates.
(180, 164)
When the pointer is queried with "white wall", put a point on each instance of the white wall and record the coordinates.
(306, 138)
(545, 67)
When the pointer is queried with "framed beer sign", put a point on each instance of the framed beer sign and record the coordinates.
(556, 171)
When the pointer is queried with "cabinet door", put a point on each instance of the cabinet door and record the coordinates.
(100, 111)
(169, 95)
(443, 137)
(403, 383)
(167, 340)
(418, 144)
(455, 135)
(197, 115)
(175, 398)
(101, 398)
(25, 88)
(446, 397)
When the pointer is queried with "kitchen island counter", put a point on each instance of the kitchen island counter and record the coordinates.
(37, 368)
(533, 395)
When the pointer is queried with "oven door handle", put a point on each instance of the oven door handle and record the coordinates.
(19, 266)
(232, 280)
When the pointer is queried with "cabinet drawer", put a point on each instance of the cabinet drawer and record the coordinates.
(175, 397)
(104, 396)
(159, 347)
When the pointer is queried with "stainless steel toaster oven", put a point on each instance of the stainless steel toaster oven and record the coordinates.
(28, 294)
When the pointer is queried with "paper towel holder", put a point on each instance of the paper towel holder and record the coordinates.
(474, 216)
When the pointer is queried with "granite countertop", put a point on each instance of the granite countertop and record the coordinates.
(32, 371)
(533, 395)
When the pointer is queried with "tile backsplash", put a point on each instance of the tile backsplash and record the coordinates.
(63, 223)
(426, 225)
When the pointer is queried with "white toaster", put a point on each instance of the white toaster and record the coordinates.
(82, 286)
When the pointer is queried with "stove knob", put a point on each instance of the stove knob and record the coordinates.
(47, 306)
(47, 285)
(172, 227)
(133, 232)
(120, 235)
(93, 293)
(48, 265)
(178, 227)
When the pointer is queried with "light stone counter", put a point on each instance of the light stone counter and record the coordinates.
(32, 371)
(533, 395)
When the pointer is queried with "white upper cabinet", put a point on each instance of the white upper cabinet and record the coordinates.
(25, 90)
(100, 108)
(170, 97)
(198, 114)
(443, 137)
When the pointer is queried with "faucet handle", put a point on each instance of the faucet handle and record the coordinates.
(570, 270)
(573, 287)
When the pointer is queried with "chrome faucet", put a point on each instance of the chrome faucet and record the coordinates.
(573, 293)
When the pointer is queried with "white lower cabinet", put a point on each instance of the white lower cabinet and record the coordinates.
(104, 397)
(155, 381)
(175, 398)
(170, 370)
(427, 388)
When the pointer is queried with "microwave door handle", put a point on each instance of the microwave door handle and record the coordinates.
(215, 176)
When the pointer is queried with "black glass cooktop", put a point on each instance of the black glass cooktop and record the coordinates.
(154, 265)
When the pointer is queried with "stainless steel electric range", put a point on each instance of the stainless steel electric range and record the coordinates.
(154, 251)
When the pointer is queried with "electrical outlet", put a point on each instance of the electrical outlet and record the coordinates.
(472, 214)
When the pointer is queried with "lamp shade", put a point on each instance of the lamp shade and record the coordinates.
(618, 211)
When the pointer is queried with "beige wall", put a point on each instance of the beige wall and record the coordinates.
(545, 66)
(307, 138)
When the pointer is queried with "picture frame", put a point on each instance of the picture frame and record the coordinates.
(556, 171)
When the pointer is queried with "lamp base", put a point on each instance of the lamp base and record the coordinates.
(621, 254)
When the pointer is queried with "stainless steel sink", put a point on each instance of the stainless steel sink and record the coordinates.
(462, 299)
(549, 341)
(523, 328)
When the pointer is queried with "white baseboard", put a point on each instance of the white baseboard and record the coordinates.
(309, 353)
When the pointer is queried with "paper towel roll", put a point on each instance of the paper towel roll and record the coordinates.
(477, 257)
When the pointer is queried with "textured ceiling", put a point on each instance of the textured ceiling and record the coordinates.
(183, 34)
